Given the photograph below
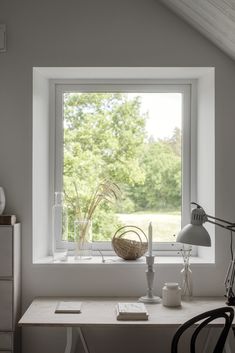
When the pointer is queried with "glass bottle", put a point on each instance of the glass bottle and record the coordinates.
(59, 229)
(187, 283)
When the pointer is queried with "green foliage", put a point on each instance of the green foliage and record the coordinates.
(103, 134)
(104, 224)
(105, 138)
(162, 186)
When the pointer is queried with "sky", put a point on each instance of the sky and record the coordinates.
(164, 110)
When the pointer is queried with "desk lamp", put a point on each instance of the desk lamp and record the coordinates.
(196, 234)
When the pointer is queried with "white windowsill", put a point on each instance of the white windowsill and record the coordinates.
(114, 260)
(204, 77)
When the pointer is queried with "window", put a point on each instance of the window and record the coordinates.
(136, 134)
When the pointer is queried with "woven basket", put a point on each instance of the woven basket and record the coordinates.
(129, 249)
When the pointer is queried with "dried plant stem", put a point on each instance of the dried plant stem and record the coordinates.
(106, 191)
(78, 208)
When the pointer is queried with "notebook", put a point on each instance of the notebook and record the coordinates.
(68, 307)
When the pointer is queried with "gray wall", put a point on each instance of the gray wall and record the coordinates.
(100, 33)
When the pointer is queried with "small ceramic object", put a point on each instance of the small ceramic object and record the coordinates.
(2, 200)
(171, 294)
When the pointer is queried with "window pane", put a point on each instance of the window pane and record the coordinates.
(134, 140)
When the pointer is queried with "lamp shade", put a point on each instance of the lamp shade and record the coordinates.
(194, 235)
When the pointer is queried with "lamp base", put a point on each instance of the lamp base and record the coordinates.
(150, 300)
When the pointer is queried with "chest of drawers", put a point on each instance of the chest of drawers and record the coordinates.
(10, 272)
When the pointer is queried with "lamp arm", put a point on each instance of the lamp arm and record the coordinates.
(229, 282)
(230, 276)
(228, 227)
(221, 220)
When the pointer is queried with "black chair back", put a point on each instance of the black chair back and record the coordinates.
(226, 312)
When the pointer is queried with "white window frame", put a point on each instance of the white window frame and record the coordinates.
(189, 128)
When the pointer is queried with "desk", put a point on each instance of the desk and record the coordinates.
(101, 312)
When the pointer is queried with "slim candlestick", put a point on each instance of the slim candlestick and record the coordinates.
(150, 297)
(150, 236)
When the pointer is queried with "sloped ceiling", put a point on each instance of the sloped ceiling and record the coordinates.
(215, 19)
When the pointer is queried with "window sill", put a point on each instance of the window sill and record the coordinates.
(114, 260)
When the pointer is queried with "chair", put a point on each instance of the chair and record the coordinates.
(226, 312)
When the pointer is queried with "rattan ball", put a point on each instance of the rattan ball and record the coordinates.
(130, 242)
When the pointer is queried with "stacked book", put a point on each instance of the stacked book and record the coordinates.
(131, 311)
(6, 220)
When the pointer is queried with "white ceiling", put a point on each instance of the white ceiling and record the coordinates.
(215, 19)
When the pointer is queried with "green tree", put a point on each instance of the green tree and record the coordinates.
(103, 138)
(175, 141)
(162, 186)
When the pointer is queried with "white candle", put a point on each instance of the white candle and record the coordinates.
(150, 236)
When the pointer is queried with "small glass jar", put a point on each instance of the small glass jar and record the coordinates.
(171, 294)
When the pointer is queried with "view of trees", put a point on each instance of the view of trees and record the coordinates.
(105, 138)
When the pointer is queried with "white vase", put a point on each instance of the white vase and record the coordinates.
(2, 200)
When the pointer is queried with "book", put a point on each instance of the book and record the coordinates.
(6, 220)
(131, 311)
(64, 307)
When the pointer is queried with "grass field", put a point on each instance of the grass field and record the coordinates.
(165, 224)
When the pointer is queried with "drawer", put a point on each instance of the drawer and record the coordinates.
(6, 246)
(6, 341)
(6, 305)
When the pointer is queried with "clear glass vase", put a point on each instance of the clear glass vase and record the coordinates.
(187, 283)
(83, 238)
(59, 229)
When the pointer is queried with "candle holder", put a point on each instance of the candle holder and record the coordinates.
(150, 297)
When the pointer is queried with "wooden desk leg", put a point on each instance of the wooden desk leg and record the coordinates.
(72, 340)
(208, 340)
(69, 340)
(229, 344)
(86, 350)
